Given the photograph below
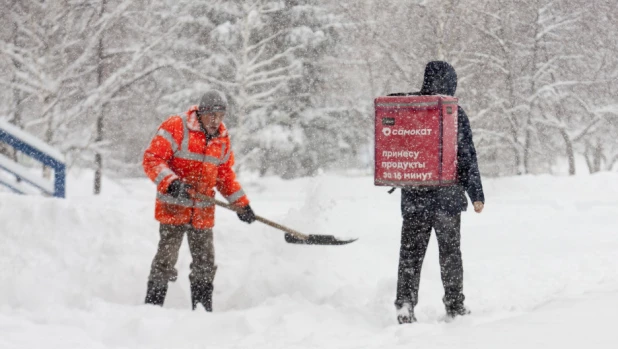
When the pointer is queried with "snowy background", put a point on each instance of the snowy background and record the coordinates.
(540, 269)
(94, 79)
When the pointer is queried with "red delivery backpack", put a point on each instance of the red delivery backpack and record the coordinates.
(415, 141)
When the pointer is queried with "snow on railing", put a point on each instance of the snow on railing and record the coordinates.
(38, 150)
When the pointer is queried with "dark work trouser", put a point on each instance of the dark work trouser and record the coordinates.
(415, 236)
(201, 245)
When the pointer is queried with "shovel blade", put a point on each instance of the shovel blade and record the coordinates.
(316, 240)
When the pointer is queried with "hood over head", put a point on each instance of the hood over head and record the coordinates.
(440, 79)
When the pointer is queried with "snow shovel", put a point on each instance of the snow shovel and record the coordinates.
(291, 236)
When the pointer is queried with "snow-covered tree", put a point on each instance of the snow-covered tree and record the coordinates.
(95, 78)
(524, 70)
(75, 61)
(269, 61)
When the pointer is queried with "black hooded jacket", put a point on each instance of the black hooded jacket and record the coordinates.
(441, 79)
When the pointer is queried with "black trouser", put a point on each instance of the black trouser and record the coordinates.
(414, 240)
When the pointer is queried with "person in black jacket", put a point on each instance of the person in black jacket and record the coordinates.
(439, 208)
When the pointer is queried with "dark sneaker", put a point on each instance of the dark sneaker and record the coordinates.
(460, 310)
(405, 314)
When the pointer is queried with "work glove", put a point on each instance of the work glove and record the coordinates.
(246, 214)
(179, 189)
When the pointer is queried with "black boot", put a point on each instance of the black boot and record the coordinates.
(201, 292)
(456, 308)
(459, 310)
(155, 294)
(454, 303)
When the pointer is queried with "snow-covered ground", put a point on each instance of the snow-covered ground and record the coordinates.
(541, 270)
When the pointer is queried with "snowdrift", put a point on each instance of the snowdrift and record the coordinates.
(540, 269)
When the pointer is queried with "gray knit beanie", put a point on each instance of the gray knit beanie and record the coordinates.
(212, 101)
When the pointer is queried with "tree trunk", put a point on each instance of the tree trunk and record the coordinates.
(16, 119)
(519, 161)
(49, 133)
(98, 157)
(594, 157)
(569, 151)
(588, 158)
(597, 157)
(610, 164)
(527, 146)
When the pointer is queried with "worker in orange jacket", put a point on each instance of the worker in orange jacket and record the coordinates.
(191, 155)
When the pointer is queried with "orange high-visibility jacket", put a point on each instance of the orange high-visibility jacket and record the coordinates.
(180, 150)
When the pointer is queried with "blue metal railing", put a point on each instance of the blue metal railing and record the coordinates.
(38, 150)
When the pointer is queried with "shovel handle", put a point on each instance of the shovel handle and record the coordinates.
(238, 209)
(265, 221)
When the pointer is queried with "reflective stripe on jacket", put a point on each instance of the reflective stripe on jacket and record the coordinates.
(180, 150)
